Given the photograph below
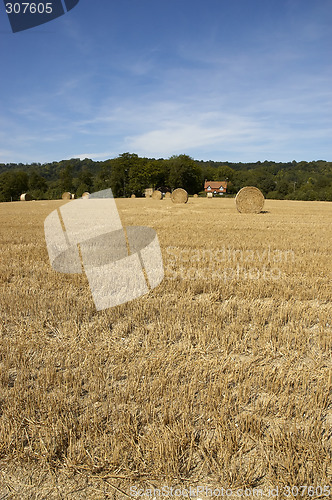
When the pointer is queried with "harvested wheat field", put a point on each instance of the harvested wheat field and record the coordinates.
(218, 378)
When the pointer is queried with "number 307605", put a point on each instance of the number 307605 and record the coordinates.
(29, 8)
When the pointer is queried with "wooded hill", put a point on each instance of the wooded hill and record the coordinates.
(130, 174)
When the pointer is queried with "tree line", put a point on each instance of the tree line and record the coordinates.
(130, 174)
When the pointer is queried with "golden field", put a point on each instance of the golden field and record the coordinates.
(220, 376)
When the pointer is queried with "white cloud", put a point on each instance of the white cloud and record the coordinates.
(232, 106)
(94, 156)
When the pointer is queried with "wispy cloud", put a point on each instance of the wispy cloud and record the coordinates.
(245, 92)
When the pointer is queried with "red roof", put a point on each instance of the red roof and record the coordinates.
(215, 185)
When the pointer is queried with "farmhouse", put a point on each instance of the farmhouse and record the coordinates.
(215, 187)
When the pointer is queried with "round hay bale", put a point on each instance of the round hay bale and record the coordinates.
(26, 197)
(209, 195)
(133, 196)
(157, 195)
(195, 195)
(66, 196)
(167, 195)
(249, 200)
(179, 195)
(86, 195)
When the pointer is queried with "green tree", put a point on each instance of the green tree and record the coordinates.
(12, 185)
(103, 178)
(225, 173)
(86, 177)
(210, 173)
(120, 173)
(185, 173)
(151, 174)
(66, 178)
(37, 182)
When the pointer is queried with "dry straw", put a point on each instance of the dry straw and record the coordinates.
(85, 195)
(157, 195)
(66, 196)
(209, 195)
(168, 194)
(133, 196)
(195, 195)
(26, 197)
(179, 195)
(249, 200)
(65, 425)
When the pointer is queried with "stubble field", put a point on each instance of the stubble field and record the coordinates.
(221, 376)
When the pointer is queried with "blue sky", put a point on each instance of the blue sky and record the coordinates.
(226, 80)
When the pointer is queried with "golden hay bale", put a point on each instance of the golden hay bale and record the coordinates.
(133, 196)
(249, 200)
(66, 196)
(195, 195)
(168, 194)
(26, 197)
(148, 192)
(157, 195)
(86, 195)
(179, 195)
(209, 195)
